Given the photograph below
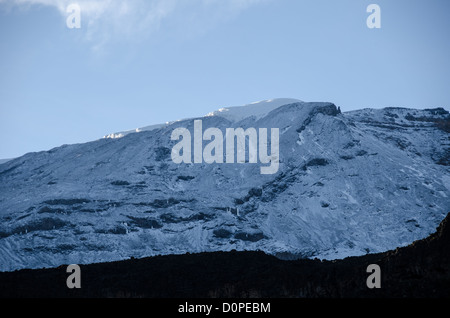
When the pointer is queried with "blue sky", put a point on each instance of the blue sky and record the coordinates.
(142, 62)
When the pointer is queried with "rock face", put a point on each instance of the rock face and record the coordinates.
(348, 184)
(420, 270)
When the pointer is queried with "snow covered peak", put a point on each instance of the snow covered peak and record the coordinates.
(124, 133)
(256, 109)
(234, 114)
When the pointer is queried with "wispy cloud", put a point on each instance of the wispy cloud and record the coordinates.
(106, 20)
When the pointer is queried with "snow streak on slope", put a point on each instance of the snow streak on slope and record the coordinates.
(255, 110)
(348, 184)
(235, 114)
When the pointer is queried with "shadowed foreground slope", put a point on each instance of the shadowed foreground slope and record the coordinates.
(421, 269)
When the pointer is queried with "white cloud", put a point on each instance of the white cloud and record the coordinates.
(106, 20)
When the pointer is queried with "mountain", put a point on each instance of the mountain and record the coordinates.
(348, 184)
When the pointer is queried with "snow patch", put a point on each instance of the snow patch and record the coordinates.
(256, 109)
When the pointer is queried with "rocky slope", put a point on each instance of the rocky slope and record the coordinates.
(348, 184)
(420, 270)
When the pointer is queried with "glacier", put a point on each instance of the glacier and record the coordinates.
(348, 184)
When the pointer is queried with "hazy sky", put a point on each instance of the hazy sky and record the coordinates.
(141, 62)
